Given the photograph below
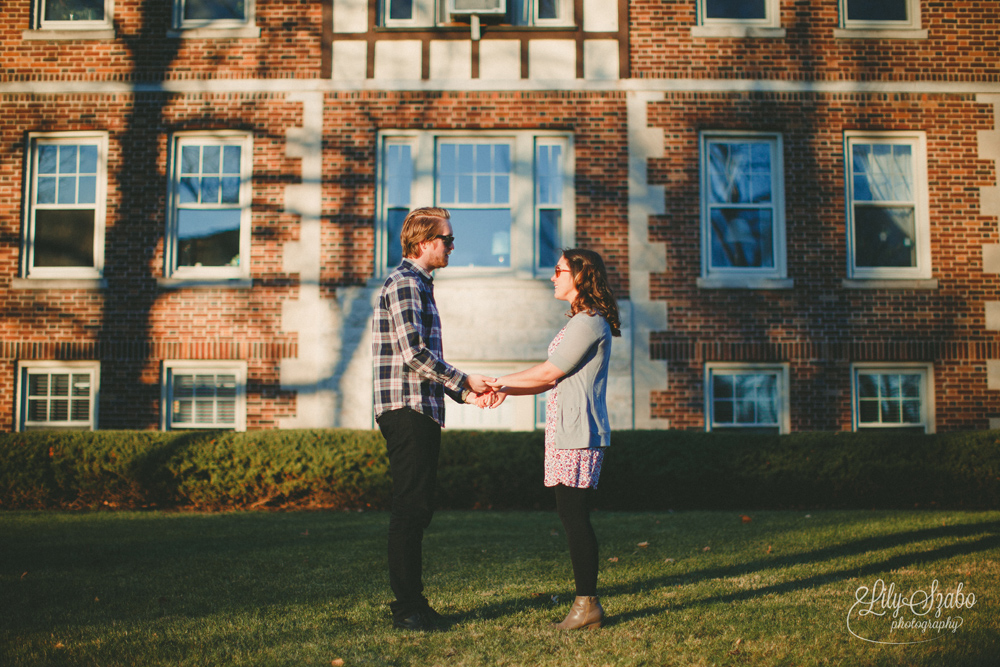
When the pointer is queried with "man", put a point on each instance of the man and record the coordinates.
(411, 380)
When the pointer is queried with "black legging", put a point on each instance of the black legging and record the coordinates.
(574, 506)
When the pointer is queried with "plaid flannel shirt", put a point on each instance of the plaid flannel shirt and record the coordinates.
(410, 371)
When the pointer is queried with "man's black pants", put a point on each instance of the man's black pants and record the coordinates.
(413, 441)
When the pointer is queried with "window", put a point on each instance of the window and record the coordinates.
(64, 228)
(213, 13)
(762, 13)
(887, 208)
(510, 196)
(747, 397)
(74, 14)
(880, 14)
(57, 395)
(204, 394)
(209, 224)
(893, 396)
(742, 207)
(426, 13)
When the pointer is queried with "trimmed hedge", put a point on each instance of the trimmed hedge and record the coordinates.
(643, 470)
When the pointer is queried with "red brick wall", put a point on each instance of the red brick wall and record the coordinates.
(819, 320)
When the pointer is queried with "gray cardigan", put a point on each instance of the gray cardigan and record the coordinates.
(581, 407)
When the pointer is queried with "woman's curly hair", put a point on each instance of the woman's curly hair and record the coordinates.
(593, 292)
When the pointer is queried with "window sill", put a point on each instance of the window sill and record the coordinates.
(878, 33)
(737, 31)
(718, 282)
(247, 32)
(59, 283)
(856, 283)
(189, 283)
(62, 34)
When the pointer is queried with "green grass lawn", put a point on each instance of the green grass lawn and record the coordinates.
(685, 588)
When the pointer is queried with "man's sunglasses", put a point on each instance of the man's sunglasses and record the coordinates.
(447, 238)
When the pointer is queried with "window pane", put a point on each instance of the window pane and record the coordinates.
(867, 385)
(876, 10)
(398, 175)
(740, 173)
(63, 238)
(735, 9)
(548, 9)
(203, 10)
(87, 193)
(882, 172)
(66, 190)
(211, 159)
(81, 385)
(394, 227)
(482, 237)
(910, 385)
(474, 173)
(210, 188)
(230, 190)
(884, 236)
(231, 159)
(548, 170)
(549, 246)
(400, 9)
(742, 238)
(58, 410)
(722, 386)
(38, 410)
(868, 412)
(46, 190)
(191, 160)
(74, 10)
(38, 385)
(88, 159)
(79, 410)
(67, 160)
(208, 237)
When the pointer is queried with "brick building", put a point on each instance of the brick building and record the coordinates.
(798, 202)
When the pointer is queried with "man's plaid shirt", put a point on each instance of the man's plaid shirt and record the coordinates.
(410, 371)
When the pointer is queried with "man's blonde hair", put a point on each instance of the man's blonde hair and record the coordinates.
(421, 225)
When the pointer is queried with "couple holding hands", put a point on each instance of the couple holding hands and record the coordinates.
(412, 378)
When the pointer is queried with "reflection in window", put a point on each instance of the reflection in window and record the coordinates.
(741, 206)
(744, 399)
(64, 234)
(735, 9)
(58, 396)
(877, 10)
(73, 10)
(211, 211)
(891, 397)
(215, 10)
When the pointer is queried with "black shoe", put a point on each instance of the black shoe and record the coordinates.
(414, 621)
(433, 619)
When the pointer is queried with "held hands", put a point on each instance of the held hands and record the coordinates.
(484, 395)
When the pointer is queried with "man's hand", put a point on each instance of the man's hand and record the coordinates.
(476, 383)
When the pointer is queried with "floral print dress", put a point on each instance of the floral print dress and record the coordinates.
(578, 468)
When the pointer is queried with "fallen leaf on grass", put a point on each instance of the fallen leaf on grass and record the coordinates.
(643, 544)
(60, 645)
(24, 574)
(707, 549)
(339, 662)
(670, 560)
(768, 548)
(613, 559)
(746, 519)
(305, 534)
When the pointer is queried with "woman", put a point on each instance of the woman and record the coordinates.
(576, 415)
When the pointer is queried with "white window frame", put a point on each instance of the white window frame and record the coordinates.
(174, 367)
(36, 139)
(779, 370)
(26, 368)
(44, 23)
(429, 13)
(180, 23)
(772, 17)
(524, 260)
(171, 242)
(729, 277)
(927, 401)
(912, 21)
(921, 204)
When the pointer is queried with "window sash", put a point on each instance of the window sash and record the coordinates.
(886, 198)
(213, 13)
(210, 197)
(880, 14)
(891, 397)
(428, 13)
(510, 195)
(745, 399)
(60, 396)
(64, 234)
(204, 395)
(74, 14)
(742, 206)
(760, 13)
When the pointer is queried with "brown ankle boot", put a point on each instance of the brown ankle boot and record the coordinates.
(586, 612)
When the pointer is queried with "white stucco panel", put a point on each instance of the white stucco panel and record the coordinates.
(600, 59)
(350, 60)
(397, 60)
(451, 59)
(552, 59)
(600, 16)
(350, 16)
(499, 59)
